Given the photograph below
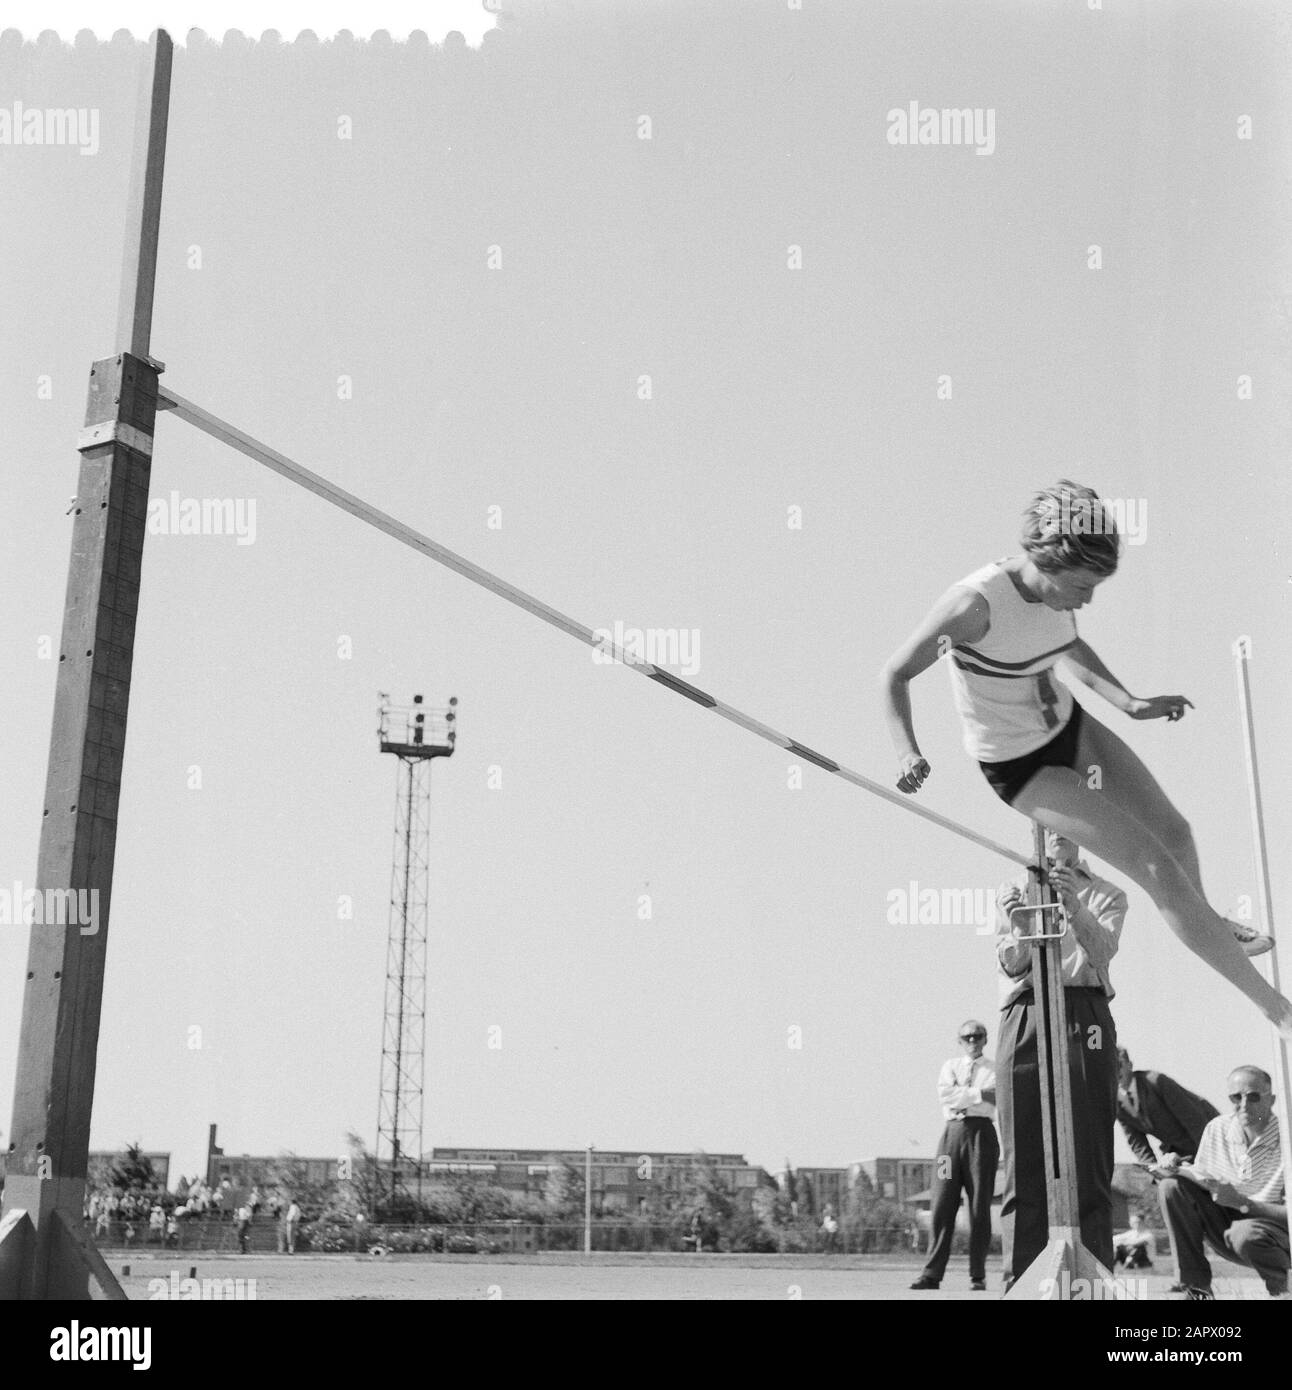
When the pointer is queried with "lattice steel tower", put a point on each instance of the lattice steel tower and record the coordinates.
(414, 734)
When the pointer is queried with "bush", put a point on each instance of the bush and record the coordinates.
(749, 1236)
(327, 1237)
(795, 1240)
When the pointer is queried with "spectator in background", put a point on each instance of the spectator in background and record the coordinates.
(243, 1217)
(292, 1223)
(156, 1224)
(696, 1237)
(1136, 1248)
(829, 1231)
(130, 1233)
(172, 1232)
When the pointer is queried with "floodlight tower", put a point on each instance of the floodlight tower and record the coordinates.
(414, 734)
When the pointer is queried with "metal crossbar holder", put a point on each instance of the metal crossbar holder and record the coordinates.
(113, 432)
(1039, 909)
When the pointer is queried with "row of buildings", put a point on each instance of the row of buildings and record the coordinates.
(622, 1180)
(626, 1180)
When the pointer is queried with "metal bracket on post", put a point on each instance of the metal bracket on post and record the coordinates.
(112, 432)
(1039, 910)
(1054, 1272)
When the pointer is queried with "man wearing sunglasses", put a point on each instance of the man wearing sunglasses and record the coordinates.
(968, 1154)
(1231, 1196)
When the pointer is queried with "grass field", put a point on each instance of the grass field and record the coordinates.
(649, 1277)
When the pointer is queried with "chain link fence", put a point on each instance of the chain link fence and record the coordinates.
(265, 1235)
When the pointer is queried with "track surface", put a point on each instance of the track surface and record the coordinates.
(660, 1277)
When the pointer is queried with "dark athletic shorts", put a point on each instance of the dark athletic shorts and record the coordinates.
(1010, 777)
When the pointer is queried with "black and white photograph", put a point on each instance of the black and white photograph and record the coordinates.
(904, 389)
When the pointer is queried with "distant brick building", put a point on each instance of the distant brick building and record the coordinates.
(905, 1181)
(621, 1179)
(246, 1171)
(901, 1180)
(829, 1186)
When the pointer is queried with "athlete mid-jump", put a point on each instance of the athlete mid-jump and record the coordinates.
(1004, 628)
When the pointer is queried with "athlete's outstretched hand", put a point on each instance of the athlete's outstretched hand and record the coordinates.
(912, 771)
(1160, 707)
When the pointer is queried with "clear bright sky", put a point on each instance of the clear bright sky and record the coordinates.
(292, 258)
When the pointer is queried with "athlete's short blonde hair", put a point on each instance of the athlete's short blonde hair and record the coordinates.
(1067, 527)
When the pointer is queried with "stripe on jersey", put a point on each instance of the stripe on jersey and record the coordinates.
(1005, 668)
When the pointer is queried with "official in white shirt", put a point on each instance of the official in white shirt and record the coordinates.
(968, 1155)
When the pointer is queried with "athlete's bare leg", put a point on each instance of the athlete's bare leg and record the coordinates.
(1109, 765)
(1060, 799)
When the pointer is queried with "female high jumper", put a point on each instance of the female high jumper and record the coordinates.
(1004, 627)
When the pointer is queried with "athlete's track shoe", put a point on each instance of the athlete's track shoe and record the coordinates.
(1255, 943)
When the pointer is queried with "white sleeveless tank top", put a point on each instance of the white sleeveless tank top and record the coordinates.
(1008, 700)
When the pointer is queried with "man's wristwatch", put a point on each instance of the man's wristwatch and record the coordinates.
(1244, 1209)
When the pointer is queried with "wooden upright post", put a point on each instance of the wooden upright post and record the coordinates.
(44, 1251)
(1054, 1273)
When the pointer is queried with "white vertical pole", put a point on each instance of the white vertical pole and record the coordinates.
(587, 1203)
(1282, 1082)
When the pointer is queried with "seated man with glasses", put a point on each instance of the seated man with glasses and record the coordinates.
(1231, 1196)
(1095, 911)
(968, 1154)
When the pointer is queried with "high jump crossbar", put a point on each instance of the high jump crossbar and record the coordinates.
(364, 511)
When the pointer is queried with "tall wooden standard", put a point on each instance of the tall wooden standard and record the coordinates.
(44, 1250)
(1054, 1272)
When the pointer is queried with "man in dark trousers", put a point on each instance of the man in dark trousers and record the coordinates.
(1152, 1106)
(1095, 910)
(968, 1155)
